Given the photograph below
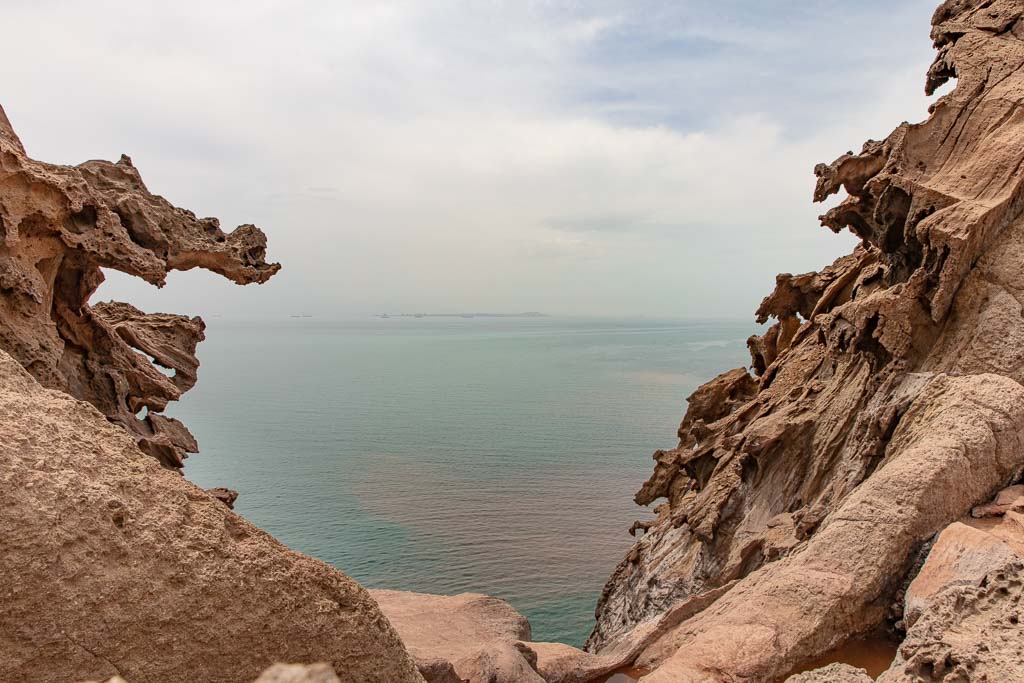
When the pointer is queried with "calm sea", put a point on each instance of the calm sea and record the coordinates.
(441, 455)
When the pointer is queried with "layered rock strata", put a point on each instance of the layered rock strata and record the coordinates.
(885, 400)
(59, 226)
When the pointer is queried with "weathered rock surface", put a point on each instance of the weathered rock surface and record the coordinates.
(962, 556)
(59, 225)
(886, 400)
(833, 673)
(963, 609)
(113, 565)
(480, 636)
(299, 673)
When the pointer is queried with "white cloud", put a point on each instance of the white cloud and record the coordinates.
(458, 155)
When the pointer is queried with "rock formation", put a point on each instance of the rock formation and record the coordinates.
(886, 399)
(963, 610)
(467, 637)
(59, 225)
(113, 565)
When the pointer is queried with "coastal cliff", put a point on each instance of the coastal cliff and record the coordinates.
(863, 478)
(886, 399)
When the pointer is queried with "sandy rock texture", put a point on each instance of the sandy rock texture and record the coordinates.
(833, 673)
(963, 609)
(885, 401)
(320, 672)
(480, 637)
(59, 225)
(113, 565)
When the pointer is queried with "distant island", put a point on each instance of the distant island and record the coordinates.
(527, 314)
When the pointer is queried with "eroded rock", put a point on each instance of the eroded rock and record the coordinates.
(963, 609)
(59, 225)
(299, 673)
(886, 401)
(480, 636)
(833, 673)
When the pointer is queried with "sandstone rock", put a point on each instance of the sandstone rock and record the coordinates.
(59, 225)
(479, 635)
(299, 673)
(226, 496)
(1011, 498)
(499, 663)
(438, 670)
(113, 565)
(964, 606)
(833, 673)
(962, 556)
(887, 401)
(967, 633)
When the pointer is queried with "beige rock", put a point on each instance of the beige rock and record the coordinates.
(1009, 499)
(438, 670)
(833, 673)
(299, 673)
(479, 635)
(962, 556)
(887, 402)
(964, 606)
(59, 225)
(560, 663)
(967, 633)
(112, 565)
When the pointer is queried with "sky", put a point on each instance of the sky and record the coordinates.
(629, 158)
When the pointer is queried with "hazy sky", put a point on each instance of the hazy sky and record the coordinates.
(630, 157)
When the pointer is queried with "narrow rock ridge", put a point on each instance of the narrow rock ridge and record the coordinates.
(59, 225)
(885, 400)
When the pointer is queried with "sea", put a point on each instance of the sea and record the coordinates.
(496, 455)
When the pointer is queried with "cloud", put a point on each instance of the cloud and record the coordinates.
(607, 158)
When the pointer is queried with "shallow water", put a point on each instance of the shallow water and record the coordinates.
(448, 455)
(874, 653)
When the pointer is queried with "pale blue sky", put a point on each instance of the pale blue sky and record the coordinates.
(614, 158)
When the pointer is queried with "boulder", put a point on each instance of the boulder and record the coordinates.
(113, 565)
(833, 673)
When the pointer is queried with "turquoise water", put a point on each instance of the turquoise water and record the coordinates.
(447, 455)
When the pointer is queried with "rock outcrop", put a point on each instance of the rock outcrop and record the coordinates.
(886, 399)
(59, 226)
(963, 610)
(113, 565)
(833, 673)
(466, 637)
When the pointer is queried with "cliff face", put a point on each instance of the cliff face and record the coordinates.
(111, 563)
(886, 399)
(59, 225)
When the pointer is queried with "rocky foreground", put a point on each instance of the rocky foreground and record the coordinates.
(864, 480)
